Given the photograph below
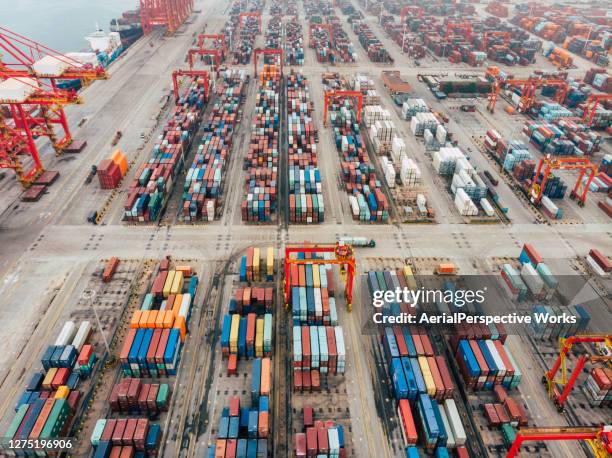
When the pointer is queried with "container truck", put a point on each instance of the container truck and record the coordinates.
(358, 241)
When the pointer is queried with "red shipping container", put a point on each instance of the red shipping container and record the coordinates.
(230, 448)
(127, 344)
(315, 380)
(501, 413)
(142, 428)
(117, 436)
(127, 452)
(601, 260)
(297, 379)
(311, 442)
(130, 429)
(308, 416)
(107, 432)
(300, 445)
(409, 432)
(85, 354)
(234, 406)
(449, 386)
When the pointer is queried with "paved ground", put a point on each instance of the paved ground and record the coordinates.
(48, 248)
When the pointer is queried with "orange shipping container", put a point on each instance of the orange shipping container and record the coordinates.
(136, 319)
(144, 317)
(168, 320)
(178, 300)
(263, 424)
(119, 158)
(187, 271)
(159, 320)
(446, 268)
(179, 324)
(151, 318)
(220, 449)
(265, 377)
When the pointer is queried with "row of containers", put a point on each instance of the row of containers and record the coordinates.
(317, 340)
(248, 29)
(261, 162)
(244, 428)
(326, 34)
(318, 438)
(151, 349)
(46, 408)
(294, 40)
(255, 268)
(111, 171)
(366, 198)
(422, 382)
(372, 45)
(305, 189)
(154, 180)
(205, 177)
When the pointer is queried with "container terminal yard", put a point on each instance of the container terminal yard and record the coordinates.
(201, 248)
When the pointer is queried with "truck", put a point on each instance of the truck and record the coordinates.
(358, 241)
(491, 178)
(446, 268)
(468, 108)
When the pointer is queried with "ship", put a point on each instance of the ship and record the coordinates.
(128, 27)
(107, 47)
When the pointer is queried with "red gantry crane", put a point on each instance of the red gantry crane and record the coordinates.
(176, 74)
(28, 82)
(590, 107)
(344, 257)
(465, 28)
(493, 34)
(565, 345)
(267, 52)
(582, 164)
(598, 437)
(168, 13)
(218, 51)
(528, 91)
(413, 10)
(332, 95)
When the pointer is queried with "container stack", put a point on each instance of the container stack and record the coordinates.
(543, 329)
(312, 298)
(168, 304)
(388, 171)
(111, 171)
(243, 47)
(243, 430)
(261, 162)
(317, 350)
(318, 438)
(513, 283)
(154, 180)
(422, 121)
(598, 262)
(125, 437)
(486, 363)
(373, 113)
(382, 134)
(372, 45)
(47, 406)
(132, 396)
(410, 173)
(598, 387)
(305, 189)
(294, 42)
(205, 177)
(245, 337)
(254, 268)
(413, 106)
(367, 201)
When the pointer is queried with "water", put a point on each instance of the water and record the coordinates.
(61, 24)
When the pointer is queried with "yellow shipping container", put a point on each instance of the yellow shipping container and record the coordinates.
(62, 392)
(177, 284)
(168, 283)
(49, 378)
(410, 280)
(316, 276)
(256, 265)
(259, 332)
(427, 377)
(234, 333)
(270, 262)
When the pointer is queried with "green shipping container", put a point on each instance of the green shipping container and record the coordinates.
(97, 432)
(162, 396)
(508, 434)
(57, 418)
(16, 423)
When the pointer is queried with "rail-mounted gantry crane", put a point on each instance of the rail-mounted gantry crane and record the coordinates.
(344, 256)
(267, 52)
(218, 51)
(253, 14)
(332, 95)
(177, 74)
(565, 345)
(29, 74)
(528, 91)
(591, 107)
(550, 163)
(599, 438)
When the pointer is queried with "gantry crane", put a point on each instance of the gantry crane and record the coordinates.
(528, 91)
(598, 437)
(413, 10)
(565, 345)
(464, 27)
(344, 257)
(331, 95)
(590, 107)
(176, 74)
(326, 26)
(563, 163)
(268, 52)
(255, 14)
(168, 13)
(218, 51)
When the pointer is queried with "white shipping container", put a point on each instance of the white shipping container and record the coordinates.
(452, 414)
(81, 336)
(66, 334)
